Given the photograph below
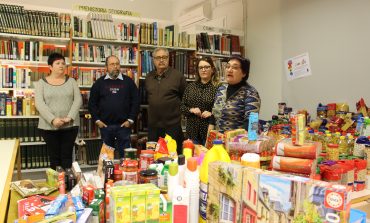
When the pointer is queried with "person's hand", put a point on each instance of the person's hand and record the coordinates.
(206, 114)
(57, 122)
(67, 120)
(126, 124)
(101, 124)
(196, 111)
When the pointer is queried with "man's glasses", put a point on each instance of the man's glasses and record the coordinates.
(228, 66)
(204, 68)
(161, 58)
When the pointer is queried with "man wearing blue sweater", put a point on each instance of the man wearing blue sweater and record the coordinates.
(114, 105)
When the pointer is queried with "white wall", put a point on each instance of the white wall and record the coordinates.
(264, 49)
(336, 35)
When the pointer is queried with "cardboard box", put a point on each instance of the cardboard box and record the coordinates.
(224, 192)
(165, 209)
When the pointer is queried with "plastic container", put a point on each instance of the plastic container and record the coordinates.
(173, 178)
(149, 176)
(343, 145)
(251, 160)
(181, 163)
(191, 181)
(216, 153)
(332, 152)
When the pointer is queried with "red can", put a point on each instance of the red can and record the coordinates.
(146, 158)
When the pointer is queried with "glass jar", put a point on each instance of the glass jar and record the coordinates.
(332, 152)
(149, 176)
(117, 175)
(129, 171)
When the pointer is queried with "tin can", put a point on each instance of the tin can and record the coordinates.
(146, 158)
(151, 145)
(130, 153)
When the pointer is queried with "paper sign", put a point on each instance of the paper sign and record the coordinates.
(298, 67)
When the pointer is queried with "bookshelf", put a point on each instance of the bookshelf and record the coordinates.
(86, 39)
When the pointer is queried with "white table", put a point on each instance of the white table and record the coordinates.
(8, 156)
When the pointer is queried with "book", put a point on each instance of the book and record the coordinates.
(28, 188)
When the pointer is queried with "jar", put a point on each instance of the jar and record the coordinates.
(129, 171)
(146, 158)
(117, 175)
(149, 176)
(130, 153)
(332, 152)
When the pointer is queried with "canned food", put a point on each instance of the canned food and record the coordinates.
(129, 171)
(131, 153)
(149, 176)
(146, 158)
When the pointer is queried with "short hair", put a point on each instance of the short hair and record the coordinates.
(106, 59)
(244, 64)
(55, 56)
(160, 49)
(215, 77)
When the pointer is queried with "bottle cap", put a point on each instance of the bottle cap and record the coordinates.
(192, 164)
(181, 159)
(217, 141)
(173, 169)
(187, 153)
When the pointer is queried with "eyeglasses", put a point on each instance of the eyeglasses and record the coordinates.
(228, 66)
(204, 68)
(161, 58)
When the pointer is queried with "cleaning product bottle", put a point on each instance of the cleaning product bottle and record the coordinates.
(216, 153)
(173, 178)
(180, 205)
(182, 168)
(191, 181)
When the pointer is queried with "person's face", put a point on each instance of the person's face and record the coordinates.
(205, 71)
(234, 73)
(113, 67)
(161, 60)
(58, 67)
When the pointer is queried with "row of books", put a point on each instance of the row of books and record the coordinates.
(12, 77)
(169, 36)
(142, 120)
(34, 156)
(93, 148)
(95, 25)
(218, 44)
(29, 50)
(15, 19)
(24, 129)
(17, 106)
(183, 62)
(84, 52)
(147, 64)
(220, 65)
(87, 129)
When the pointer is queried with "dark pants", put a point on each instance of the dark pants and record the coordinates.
(60, 146)
(174, 131)
(117, 137)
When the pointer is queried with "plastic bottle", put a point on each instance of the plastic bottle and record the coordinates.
(191, 181)
(216, 153)
(173, 178)
(327, 140)
(336, 137)
(180, 205)
(350, 144)
(182, 168)
(343, 146)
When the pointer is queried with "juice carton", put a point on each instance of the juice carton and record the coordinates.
(152, 204)
(98, 210)
(165, 209)
(138, 196)
(120, 205)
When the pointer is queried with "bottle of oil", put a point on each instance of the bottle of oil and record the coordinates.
(350, 144)
(343, 146)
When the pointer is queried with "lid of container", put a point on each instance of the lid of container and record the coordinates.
(147, 151)
(148, 173)
(181, 159)
(192, 164)
(217, 141)
(173, 169)
(332, 145)
(163, 160)
(342, 137)
(130, 163)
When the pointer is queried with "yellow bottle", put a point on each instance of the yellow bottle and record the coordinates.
(343, 146)
(216, 153)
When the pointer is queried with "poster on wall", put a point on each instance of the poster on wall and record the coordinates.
(298, 67)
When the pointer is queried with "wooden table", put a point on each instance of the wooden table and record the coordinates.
(8, 150)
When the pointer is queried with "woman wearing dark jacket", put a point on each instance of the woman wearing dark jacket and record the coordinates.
(236, 99)
(198, 100)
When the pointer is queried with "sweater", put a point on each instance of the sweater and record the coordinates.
(164, 98)
(57, 101)
(114, 101)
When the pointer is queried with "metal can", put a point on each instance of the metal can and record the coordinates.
(129, 171)
(131, 153)
(151, 145)
(146, 158)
